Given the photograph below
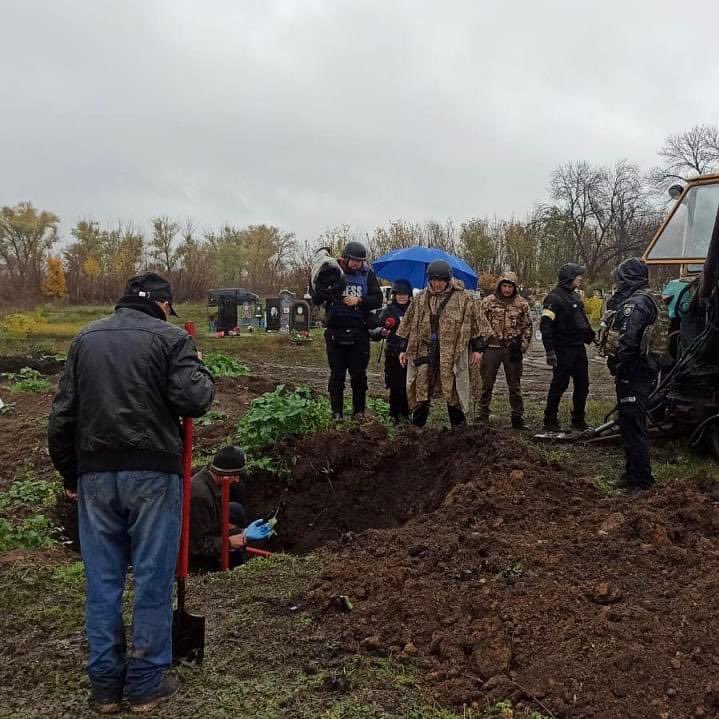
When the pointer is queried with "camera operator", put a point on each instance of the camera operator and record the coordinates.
(395, 375)
(347, 334)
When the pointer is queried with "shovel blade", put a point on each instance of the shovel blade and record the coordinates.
(188, 637)
(557, 437)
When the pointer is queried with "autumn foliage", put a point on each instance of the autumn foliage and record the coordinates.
(54, 287)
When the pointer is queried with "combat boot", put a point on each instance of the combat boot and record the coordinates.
(579, 424)
(519, 424)
(337, 404)
(552, 425)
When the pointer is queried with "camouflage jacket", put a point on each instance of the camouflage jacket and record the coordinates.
(505, 319)
(445, 375)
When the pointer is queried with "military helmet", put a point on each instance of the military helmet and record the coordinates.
(402, 287)
(439, 270)
(355, 251)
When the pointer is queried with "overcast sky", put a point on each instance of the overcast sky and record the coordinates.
(310, 114)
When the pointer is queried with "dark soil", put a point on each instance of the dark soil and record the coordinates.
(44, 364)
(500, 574)
(233, 397)
(23, 436)
(506, 576)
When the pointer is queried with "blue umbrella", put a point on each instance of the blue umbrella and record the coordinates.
(411, 264)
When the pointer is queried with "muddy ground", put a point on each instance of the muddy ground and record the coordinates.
(509, 577)
(439, 574)
(535, 380)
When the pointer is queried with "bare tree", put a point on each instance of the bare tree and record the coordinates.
(685, 155)
(606, 210)
(576, 186)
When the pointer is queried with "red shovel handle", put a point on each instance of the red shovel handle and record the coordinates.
(183, 559)
(225, 524)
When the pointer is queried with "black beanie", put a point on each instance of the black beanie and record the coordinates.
(229, 460)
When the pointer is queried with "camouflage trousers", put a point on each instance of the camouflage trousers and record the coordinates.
(492, 359)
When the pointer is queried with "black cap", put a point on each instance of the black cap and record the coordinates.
(355, 251)
(439, 270)
(229, 460)
(151, 286)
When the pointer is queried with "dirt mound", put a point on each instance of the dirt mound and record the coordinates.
(45, 364)
(508, 577)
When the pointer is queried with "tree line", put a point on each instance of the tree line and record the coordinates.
(596, 215)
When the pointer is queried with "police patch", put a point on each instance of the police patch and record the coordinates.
(628, 309)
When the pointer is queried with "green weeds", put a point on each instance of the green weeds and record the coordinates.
(26, 496)
(214, 415)
(28, 492)
(279, 415)
(223, 366)
(28, 380)
(34, 532)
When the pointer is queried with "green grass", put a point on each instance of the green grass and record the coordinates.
(58, 325)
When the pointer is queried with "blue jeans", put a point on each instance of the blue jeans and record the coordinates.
(129, 518)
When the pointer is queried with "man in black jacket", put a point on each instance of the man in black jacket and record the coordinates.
(565, 330)
(206, 514)
(347, 334)
(395, 375)
(114, 436)
(634, 371)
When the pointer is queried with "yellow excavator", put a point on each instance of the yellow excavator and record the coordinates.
(687, 397)
(686, 400)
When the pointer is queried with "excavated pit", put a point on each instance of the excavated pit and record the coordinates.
(343, 483)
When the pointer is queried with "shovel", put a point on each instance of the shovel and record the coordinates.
(188, 630)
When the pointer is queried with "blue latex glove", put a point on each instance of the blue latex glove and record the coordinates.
(258, 531)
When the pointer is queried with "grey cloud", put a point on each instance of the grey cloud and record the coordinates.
(308, 114)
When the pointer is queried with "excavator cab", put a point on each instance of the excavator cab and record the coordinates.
(687, 397)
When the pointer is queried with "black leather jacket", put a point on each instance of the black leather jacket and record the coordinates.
(128, 378)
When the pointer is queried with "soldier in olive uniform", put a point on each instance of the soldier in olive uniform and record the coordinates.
(439, 330)
(506, 331)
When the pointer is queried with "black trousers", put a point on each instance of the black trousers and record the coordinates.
(632, 398)
(421, 413)
(572, 364)
(352, 358)
(395, 378)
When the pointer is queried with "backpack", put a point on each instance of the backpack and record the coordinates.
(654, 345)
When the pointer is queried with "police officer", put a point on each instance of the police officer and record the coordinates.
(635, 372)
(565, 330)
(347, 335)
